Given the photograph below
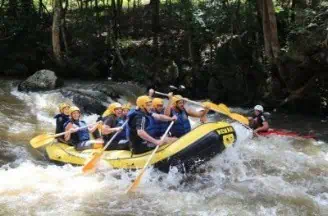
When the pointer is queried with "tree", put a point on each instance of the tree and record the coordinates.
(56, 24)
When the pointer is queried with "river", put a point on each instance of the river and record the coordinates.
(261, 176)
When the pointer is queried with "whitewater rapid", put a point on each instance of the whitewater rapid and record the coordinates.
(261, 176)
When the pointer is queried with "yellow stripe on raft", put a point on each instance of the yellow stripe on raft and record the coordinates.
(124, 159)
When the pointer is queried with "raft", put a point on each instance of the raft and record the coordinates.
(199, 145)
(285, 133)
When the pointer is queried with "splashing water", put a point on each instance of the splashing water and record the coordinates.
(260, 176)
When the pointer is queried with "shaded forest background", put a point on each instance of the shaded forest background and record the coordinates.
(239, 52)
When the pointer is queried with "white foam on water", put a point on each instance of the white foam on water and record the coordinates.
(260, 176)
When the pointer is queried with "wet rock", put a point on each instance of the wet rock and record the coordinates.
(88, 102)
(94, 98)
(41, 80)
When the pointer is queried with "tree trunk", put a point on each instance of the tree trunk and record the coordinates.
(189, 29)
(299, 6)
(270, 33)
(63, 28)
(12, 9)
(27, 6)
(115, 18)
(112, 43)
(155, 24)
(155, 31)
(271, 42)
(96, 9)
(40, 8)
(315, 3)
(56, 23)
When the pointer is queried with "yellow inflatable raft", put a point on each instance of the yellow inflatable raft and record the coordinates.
(199, 145)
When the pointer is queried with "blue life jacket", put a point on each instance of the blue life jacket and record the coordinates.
(122, 134)
(149, 125)
(182, 125)
(81, 135)
(159, 127)
(61, 119)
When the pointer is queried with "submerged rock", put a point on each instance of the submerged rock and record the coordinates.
(40, 81)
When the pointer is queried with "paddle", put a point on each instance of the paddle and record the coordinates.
(221, 108)
(91, 164)
(138, 179)
(45, 139)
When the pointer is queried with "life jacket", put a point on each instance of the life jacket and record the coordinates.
(158, 127)
(137, 144)
(61, 119)
(258, 121)
(118, 123)
(149, 124)
(80, 135)
(182, 125)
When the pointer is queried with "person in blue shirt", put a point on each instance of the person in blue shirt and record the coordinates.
(141, 126)
(80, 138)
(177, 107)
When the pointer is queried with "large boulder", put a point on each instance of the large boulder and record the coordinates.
(41, 80)
(88, 102)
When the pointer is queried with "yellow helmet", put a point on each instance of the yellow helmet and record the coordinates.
(142, 101)
(126, 106)
(73, 109)
(61, 106)
(176, 99)
(111, 108)
(157, 101)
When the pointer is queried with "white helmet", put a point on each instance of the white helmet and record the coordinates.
(259, 108)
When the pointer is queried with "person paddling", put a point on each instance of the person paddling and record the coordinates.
(112, 124)
(61, 119)
(80, 138)
(141, 127)
(177, 107)
(258, 122)
(158, 108)
(159, 126)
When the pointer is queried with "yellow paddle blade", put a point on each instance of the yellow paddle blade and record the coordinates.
(136, 182)
(42, 140)
(224, 108)
(240, 118)
(91, 164)
(138, 179)
(216, 108)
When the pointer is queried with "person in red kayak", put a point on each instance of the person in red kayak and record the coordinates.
(258, 122)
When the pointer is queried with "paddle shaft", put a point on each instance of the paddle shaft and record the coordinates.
(114, 136)
(162, 138)
(137, 180)
(239, 118)
(63, 133)
(185, 99)
(80, 128)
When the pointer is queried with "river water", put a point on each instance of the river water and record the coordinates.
(261, 176)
